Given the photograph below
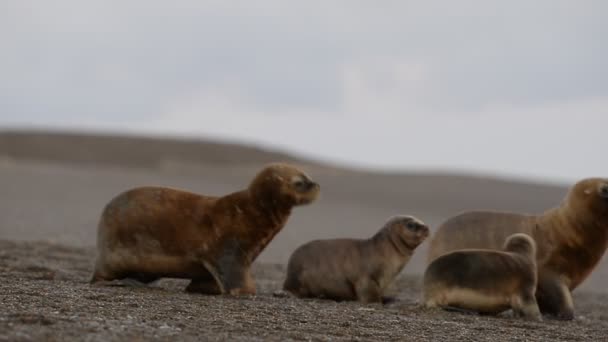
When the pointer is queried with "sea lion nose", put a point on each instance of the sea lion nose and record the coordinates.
(306, 185)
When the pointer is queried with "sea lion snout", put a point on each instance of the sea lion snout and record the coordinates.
(305, 185)
(306, 190)
(425, 232)
(286, 182)
(421, 231)
(416, 226)
(413, 230)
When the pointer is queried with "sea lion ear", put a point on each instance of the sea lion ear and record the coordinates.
(276, 176)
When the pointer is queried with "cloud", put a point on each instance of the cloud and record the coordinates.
(288, 54)
(382, 129)
(469, 84)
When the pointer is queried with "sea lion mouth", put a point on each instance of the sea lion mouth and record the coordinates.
(424, 233)
(411, 242)
(307, 192)
(407, 244)
(416, 227)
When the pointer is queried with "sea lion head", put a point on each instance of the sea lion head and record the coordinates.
(522, 244)
(408, 230)
(590, 196)
(285, 184)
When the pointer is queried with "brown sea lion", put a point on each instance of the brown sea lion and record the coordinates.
(571, 239)
(484, 280)
(354, 269)
(153, 232)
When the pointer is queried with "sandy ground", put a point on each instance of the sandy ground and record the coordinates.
(50, 204)
(45, 296)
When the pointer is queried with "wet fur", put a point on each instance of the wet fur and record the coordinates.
(571, 240)
(354, 269)
(151, 232)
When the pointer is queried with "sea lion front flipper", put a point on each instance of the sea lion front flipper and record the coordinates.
(240, 283)
(205, 286)
(368, 291)
(233, 270)
(208, 282)
(554, 297)
(233, 280)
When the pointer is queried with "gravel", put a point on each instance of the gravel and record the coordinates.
(45, 296)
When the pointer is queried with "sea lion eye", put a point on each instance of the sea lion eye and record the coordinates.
(413, 225)
(302, 185)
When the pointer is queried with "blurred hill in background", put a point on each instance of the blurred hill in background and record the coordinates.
(55, 184)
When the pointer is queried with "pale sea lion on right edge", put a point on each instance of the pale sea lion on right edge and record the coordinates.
(354, 269)
(571, 239)
(486, 281)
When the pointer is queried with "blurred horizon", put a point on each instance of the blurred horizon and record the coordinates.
(271, 150)
(516, 90)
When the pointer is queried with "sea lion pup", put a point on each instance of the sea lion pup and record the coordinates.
(484, 280)
(354, 269)
(152, 232)
(571, 239)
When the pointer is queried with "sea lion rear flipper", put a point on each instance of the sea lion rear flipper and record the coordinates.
(207, 286)
(389, 300)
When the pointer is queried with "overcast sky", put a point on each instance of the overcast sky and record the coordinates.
(516, 88)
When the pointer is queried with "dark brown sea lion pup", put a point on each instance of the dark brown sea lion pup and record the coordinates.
(353, 269)
(484, 280)
(571, 239)
(152, 232)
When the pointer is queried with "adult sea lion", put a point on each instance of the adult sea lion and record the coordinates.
(152, 232)
(571, 240)
(484, 280)
(354, 269)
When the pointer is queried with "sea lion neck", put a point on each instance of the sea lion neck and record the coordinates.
(268, 203)
(577, 228)
(576, 237)
(261, 219)
(398, 243)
